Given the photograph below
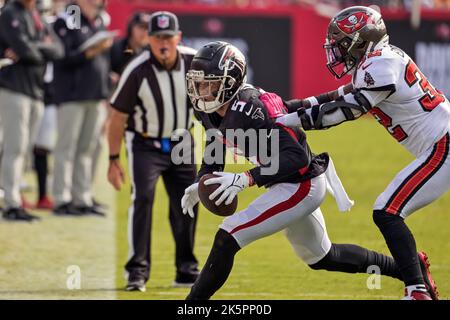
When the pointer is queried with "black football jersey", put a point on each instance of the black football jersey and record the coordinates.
(246, 112)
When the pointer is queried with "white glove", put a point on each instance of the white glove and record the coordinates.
(289, 120)
(190, 199)
(230, 185)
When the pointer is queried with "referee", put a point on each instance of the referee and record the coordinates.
(148, 106)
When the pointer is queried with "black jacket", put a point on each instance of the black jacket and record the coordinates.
(247, 112)
(76, 77)
(121, 54)
(19, 32)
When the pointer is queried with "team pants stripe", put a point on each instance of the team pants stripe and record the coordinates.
(299, 195)
(418, 177)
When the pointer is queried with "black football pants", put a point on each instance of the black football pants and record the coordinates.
(146, 165)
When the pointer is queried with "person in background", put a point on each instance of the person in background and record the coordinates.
(100, 144)
(151, 104)
(81, 85)
(132, 44)
(30, 43)
(46, 137)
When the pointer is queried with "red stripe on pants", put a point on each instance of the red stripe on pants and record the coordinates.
(297, 197)
(419, 177)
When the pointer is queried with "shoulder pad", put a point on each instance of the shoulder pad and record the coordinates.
(247, 93)
(378, 71)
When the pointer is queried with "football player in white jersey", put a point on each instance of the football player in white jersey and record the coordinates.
(387, 83)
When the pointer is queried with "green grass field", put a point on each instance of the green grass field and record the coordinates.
(366, 159)
(34, 258)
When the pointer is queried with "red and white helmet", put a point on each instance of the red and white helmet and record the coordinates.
(351, 33)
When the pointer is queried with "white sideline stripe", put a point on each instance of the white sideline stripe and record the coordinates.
(129, 145)
(233, 294)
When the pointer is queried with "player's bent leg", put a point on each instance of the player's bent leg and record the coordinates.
(402, 246)
(273, 211)
(217, 267)
(412, 265)
(420, 183)
(310, 241)
(350, 258)
(309, 238)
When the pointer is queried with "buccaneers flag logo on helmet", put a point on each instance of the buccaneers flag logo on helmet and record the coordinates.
(354, 22)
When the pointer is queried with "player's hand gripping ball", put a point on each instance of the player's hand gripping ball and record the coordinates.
(204, 191)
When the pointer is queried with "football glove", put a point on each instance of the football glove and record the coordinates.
(230, 185)
(190, 199)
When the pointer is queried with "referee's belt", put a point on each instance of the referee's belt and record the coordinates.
(164, 145)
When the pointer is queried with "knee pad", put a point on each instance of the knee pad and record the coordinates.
(383, 218)
(225, 242)
(325, 262)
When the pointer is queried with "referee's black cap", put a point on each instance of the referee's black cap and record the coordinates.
(163, 22)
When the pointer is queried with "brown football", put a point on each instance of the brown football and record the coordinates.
(205, 190)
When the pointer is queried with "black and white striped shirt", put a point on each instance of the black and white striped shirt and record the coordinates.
(155, 98)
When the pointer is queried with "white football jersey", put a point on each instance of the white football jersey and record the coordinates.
(415, 113)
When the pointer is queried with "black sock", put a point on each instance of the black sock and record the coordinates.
(217, 267)
(402, 245)
(355, 259)
(41, 167)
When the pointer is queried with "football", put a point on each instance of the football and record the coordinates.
(205, 190)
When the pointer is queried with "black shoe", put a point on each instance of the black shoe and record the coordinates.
(185, 280)
(98, 205)
(136, 285)
(91, 210)
(67, 209)
(19, 214)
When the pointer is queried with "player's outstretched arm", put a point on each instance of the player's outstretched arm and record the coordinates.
(346, 108)
(295, 104)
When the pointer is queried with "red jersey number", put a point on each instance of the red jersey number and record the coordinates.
(397, 132)
(431, 98)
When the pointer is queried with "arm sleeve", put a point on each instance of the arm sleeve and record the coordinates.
(294, 104)
(292, 159)
(14, 35)
(349, 107)
(124, 98)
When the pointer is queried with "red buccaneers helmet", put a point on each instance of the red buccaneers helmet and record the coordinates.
(351, 33)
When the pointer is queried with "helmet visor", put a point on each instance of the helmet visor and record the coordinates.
(339, 60)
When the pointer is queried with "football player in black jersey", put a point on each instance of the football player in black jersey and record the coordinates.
(223, 102)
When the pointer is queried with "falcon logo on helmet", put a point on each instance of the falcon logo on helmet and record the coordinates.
(217, 73)
(230, 59)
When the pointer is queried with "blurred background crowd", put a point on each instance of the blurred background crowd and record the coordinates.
(395, 4)
(58, 5)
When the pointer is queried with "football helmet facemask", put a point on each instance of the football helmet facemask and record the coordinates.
(217, 73)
